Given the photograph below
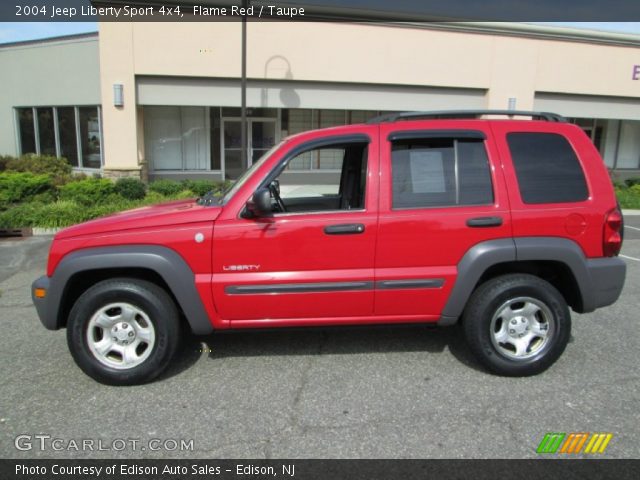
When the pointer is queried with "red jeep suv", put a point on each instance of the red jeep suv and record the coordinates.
(499, 225)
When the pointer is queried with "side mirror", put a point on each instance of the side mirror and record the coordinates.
(259, 205)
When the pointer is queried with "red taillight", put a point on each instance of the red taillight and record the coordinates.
(612, 238)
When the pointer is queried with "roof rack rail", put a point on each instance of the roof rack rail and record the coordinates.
(455, 114)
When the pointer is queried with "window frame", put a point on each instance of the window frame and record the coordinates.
(449, 134)
(278, 169)
(56, 126)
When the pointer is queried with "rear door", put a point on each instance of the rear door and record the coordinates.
(550, 194)
(312, 263)
(442, 192)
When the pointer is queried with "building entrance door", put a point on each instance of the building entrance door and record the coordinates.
(261, 134)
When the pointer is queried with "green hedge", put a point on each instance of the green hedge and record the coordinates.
(58, 168)
(21, 186)
(89, 191)
(632, 181)
(41, 191)
(130, 188)
(165, 187)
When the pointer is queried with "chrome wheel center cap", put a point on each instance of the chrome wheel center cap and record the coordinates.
(123, 333)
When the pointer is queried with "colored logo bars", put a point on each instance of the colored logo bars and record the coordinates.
(574, 443)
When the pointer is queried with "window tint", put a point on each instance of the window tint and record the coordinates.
(67, 132)
(90, 137)
(27, 131)
(547, 168)
(46, 131)
(437, 172)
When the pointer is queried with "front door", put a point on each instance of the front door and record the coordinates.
(261, 136)
(312, 259)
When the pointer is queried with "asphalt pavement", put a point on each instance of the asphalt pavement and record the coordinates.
(409, 392)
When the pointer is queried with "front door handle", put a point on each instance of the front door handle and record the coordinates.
(482, 222)
(344, 229)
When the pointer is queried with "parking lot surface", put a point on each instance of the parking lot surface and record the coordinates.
(401, 392)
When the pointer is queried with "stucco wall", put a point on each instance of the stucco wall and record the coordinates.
(502, 65)
(55, 73)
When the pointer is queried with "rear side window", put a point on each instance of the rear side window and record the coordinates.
(440, 172)
(547, 168)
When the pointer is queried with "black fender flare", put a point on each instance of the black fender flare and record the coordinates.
(167, 263)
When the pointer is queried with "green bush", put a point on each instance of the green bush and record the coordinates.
(629, 197)
(630, 182)
(20, 186)
(167, 188)
(199, 187)
(130, 188)
(50, 215)
(45, 164)
(88, 192)
(4, 159)
(154, 197)
(185, 194)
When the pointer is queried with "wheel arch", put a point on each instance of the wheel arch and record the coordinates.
(559, 261)
(160, 265)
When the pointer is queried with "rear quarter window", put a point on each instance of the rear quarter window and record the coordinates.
(547, 168)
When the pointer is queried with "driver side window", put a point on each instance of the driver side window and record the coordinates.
(328, 178)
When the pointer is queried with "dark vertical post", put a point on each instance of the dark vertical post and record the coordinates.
(243, 92)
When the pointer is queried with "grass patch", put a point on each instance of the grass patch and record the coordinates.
(629, 197)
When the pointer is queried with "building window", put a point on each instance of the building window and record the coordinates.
(177, 138)
(68, 138)
(440, 172)
(90, 136)
(27, 130)
(298, 120)
(56, 130)
(629, 145)
(46, 133)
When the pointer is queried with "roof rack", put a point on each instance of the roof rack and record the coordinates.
(455, 114)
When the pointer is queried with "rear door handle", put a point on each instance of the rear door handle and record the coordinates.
(344, 229)
(482, 222)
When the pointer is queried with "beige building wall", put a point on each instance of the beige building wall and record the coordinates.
(524, 64)
(46, 74)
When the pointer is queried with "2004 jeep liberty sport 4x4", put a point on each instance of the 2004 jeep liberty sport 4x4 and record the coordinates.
(500, 225)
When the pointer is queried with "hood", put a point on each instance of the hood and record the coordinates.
(165, 214)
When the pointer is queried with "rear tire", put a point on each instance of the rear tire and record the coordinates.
(123, 331)
(517, 324)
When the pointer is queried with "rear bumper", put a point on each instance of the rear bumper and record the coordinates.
(46, 313)
(607, 277)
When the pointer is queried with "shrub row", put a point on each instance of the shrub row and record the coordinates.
(19, 187)
(42, 191)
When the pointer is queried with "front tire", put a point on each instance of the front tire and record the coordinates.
(123, 331)
(517, 324)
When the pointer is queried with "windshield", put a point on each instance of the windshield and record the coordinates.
(247, 174)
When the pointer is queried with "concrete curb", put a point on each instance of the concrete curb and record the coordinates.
(630, 213)
(37, 231)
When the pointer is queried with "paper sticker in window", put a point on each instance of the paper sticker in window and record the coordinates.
(427, 171)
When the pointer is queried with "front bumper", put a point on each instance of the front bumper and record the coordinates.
(46, 314)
